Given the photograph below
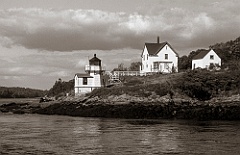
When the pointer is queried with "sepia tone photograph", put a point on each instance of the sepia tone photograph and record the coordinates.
(119, 77)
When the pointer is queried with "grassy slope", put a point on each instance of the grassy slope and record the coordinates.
(143, 86)
(198, 84)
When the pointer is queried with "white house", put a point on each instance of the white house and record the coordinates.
(159, 57)
(86, 82)
(206, 58)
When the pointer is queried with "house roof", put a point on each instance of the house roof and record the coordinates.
(201, 54)
(154, 48)
(81, 75)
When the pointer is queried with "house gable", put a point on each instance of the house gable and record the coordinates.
(165, 50)
(168, 45)
(214, 53)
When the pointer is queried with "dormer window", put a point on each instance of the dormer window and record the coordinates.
(166, 56)
(211, 57)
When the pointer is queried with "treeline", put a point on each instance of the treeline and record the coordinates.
(61, 88)
(229, 52)
(17, 92)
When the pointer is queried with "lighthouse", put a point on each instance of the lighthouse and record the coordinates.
(91, 79)
(95, 70)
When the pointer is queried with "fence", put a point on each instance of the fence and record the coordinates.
(129, 73)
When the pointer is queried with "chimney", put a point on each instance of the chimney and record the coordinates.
(158, 40)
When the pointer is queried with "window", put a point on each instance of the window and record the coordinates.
(211, 57)
(147, 65)
(147, 56)
(84, 81)
(166, 56)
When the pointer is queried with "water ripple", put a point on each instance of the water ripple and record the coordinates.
(60, 135)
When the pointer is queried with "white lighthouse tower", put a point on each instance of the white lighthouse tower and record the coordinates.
(95, 70)
(90, 80)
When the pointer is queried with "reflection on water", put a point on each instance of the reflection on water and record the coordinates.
(56, 135)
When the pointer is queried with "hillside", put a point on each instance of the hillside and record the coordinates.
(197, 84)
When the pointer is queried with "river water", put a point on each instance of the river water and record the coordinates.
(64, 135)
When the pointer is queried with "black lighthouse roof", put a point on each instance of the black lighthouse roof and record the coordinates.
(95, 61)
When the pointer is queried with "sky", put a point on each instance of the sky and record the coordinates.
(42, 41)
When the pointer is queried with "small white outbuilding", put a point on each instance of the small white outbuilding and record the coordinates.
(205, 59)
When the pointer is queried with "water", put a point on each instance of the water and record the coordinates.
(63, 135)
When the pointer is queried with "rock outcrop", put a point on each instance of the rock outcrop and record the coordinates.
(125, 106)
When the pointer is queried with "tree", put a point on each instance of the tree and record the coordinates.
(184, 63)
(120, 68)
(134, 66)
(61, 87)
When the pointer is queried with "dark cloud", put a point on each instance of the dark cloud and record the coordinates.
(69, 30)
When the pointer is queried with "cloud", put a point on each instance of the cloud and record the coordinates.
(65, 30)
(184, 25)
(70, 30)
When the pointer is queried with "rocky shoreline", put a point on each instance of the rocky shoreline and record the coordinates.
(137, 108)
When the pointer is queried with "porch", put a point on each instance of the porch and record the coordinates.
(162, 66)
